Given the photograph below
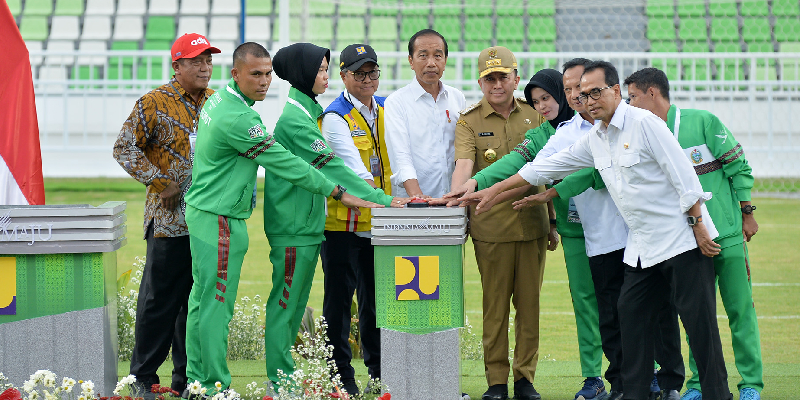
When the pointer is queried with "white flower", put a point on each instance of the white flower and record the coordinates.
(203, 390)
(67, 384)
(33, 395)
(49, 396)
(128, 380)
(219, 396)
(29, 385)
(83, 397)
(87, 388)
(218, 385)
(195, 387)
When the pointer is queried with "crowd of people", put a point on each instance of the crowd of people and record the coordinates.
(650, 202)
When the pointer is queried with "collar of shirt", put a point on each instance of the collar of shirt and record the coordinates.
(185, 94)
(618, 120)
(487, 109)
(418, 91)
(238, 92)
(361, 107)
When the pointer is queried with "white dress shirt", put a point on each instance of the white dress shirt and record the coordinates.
(604, 229)
(336, 132)
(647, 175)
(420, 137)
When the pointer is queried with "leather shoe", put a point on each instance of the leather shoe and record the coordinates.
(523, 390)
(496, 392)
(668, 394)
(615, 395)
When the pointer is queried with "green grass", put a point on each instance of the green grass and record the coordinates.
(774, 259)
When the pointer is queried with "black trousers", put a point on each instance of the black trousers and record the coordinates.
(688, 281)
(161, 310)
(608, 273)
(349, 265)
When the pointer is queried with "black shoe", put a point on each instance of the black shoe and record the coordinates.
(143, 389)
(667, 394)
(496, 392)
(523, 390)
(614, 395)
(349, 385)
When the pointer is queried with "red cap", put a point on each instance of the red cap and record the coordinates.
(191, 45)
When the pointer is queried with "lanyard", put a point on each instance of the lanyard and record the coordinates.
(372, 125)
(677, 121)
(195, 116)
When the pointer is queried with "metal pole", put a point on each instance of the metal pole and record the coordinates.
(241, 21)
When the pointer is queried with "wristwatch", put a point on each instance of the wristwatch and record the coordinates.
(338, 196)
(748, 209)
(694, 220)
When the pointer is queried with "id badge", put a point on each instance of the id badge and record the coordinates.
(192, 141)
(375, 166)
(572, 213)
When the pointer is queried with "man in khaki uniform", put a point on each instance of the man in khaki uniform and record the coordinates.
(509, 244)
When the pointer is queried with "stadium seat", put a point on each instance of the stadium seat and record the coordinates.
(258, 7)
(226, 7)
(416, 7)
(668, 65)
(727, 67)
(476, 46)
(52, 73)
(33, 28)
(724, 29)
(34, 46)
(541, 29)
(197, 7)
(787, 29)
(15, 6)
(661, 29)
(384, 28)
(85, 73)
(542, 47)
(117, 72)
(660, 8)
(132, 7)
(152, 67)
(478, 28)
(510, 29)
(790, 67)
(542, 8)
(58, 46)
(765, 68)
(785, 8)
(96, 27)
(450, 8)
(384, 7)
(727, 47)
(478, 7)
(192, 24)
(691, 8)
(38, 8)
(722, 9)
(91, 46)
(224, 28)
(754, 8)
(383, 45)
(226, 47)
(663, 46)
(450, 28)
(69, 7)
(100, 7)
(256, 28)
(692, 29)
(163, 7)
(64, 28)
(411, 25)
(321, 7)
(756, 29)
(124, 61)
(510, 7)
(513, 45)
(320, 29)
(760, 47)
(350, 30)
(294, 30)
(696, 69)
(160, 28)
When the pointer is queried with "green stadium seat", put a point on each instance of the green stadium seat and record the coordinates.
(69, 7)
(476, 45)
(765, 68)
(383, 28)
(157, 45)
(542, 47)
(660, 8)
(510, 7)
(358, 8)
(85, 73)
(15, 6)
(350, 30)
(416, 7)
(754, 8)
(510, 28)
(513, 45)
(294, 30)
(478, 7)
(320, 29)
(756, 29)
(722, 9)
(691, 8)
(724, 29)
(663, 46)
(695, 46)
(450, 28)
(760, 47)
(669, 65)
(692, 29)
(727, 47)
(411, 25)
(33, 28)
(696, 69)
(790, 67)
(384, 7)
(258, 7)
(542, 8)
(661, 29)
(727, 67)
(785, 8)
(123, 45)
(541, 29)
(478, 28)
(38, 7)
(450, 8)
(160, 28)
(155, 63)
(321, 7)
(787, 29)
(383, 45)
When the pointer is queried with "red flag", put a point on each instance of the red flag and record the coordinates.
(21, 180)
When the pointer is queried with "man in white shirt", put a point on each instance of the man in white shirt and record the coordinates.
(421, 122)
(669, 246)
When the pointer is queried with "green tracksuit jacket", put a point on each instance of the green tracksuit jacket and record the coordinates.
(294, 216)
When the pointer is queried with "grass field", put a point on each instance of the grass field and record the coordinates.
(774, 252)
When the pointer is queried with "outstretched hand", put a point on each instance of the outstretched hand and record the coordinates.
(400, 202)
(535, 199)
(354, 203)
(452, 199)
(483, 198)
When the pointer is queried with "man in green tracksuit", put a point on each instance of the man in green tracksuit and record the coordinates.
(723, 170)
(294, 217)
(231, 143)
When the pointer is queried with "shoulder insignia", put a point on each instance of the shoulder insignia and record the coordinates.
(462, 123)
(470, 108)
(522, 99)
(318, 145)
(255, 131)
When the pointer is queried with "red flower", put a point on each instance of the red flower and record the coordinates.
(104, 398)
(155, 388)
(386, 396)
(267, 398)
(174, 392)
(11, 394)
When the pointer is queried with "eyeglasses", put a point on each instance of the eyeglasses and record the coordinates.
(359, 76)
(594, 94)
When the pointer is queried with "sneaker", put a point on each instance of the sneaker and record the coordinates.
(749, 394)
(593, 389)
(496, 392)
(670, 395)
(349, 386)
(655, 390)
(692, 394)
(524, 390)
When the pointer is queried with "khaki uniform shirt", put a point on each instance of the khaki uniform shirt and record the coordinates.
(479, 132)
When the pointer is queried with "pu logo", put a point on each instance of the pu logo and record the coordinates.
(199, 41)
(8, 286)
(361, 50)
(416, 278)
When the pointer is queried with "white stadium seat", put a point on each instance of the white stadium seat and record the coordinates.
(193, 24)
(64, 28)
(96, 27)
(99, 7)
(52, 73)
(132, 7)
(60, 45)
(194, 7)
(224, 28)
(91, 45)
(226, 7)
(163, 7)
(128, 28)
(227, 47)
(256, 29)
(34, 46)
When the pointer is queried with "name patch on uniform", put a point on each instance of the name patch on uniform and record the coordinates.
(255, 131)
(318, 145)
(358, 132)
(484, 134)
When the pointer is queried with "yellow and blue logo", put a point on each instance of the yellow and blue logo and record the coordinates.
(8, 286)
(416, 278)
(361, 50)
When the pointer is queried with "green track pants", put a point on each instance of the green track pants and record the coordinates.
(292, 274)
(218, 247)
(732, 267)
(584, 303)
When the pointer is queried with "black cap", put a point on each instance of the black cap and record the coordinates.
(356, 55)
